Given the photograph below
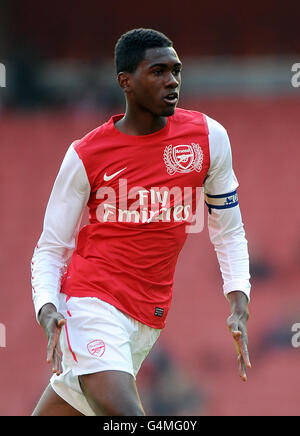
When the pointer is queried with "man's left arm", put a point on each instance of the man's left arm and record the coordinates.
(227, 234)
(228, 237)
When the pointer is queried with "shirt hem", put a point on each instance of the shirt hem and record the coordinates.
(108, 299)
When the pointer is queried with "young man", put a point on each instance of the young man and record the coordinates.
(103, 313)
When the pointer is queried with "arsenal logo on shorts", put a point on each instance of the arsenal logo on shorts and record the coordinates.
(183, 158)
(96, 348)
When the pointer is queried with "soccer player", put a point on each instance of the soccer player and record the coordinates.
(102, 294)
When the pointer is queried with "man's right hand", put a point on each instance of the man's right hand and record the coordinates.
(52, 323)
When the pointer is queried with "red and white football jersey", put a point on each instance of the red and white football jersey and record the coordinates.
(141, 193)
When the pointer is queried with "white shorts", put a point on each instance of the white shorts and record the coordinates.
(97, 337)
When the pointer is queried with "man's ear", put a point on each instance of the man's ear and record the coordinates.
(124, 81)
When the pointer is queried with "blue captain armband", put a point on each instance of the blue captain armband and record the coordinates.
(222, 201)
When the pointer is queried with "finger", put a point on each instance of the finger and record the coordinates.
(54, 362)
(242, 368)
(50, 349)
(54, 339)
(236, 334)
(56, 365)
(56, 359)
(60, 322)
(241, 345)
(59, 359)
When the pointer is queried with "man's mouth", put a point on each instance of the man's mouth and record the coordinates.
(171, 98)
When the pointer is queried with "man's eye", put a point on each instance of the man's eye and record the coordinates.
(177, 71)
(157, 72)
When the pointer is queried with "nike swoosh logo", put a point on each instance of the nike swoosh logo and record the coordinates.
(107, 178)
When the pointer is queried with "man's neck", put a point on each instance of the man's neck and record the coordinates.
(139, 124)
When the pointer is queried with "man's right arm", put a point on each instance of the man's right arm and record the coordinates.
(62, 220)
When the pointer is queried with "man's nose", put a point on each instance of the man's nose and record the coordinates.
(172, 81)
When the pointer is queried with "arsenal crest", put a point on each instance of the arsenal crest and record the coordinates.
(183, 158)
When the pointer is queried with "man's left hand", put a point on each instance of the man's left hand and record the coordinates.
(237, 326)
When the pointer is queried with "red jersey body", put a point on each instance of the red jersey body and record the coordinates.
(127, 253)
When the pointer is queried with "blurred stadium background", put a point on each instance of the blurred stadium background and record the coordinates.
(60, 83)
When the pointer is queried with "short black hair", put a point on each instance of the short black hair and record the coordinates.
(131, 47)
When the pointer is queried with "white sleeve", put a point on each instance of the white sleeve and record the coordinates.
(225, 224)
(62, 220)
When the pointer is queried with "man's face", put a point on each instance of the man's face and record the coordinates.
(155, 84)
